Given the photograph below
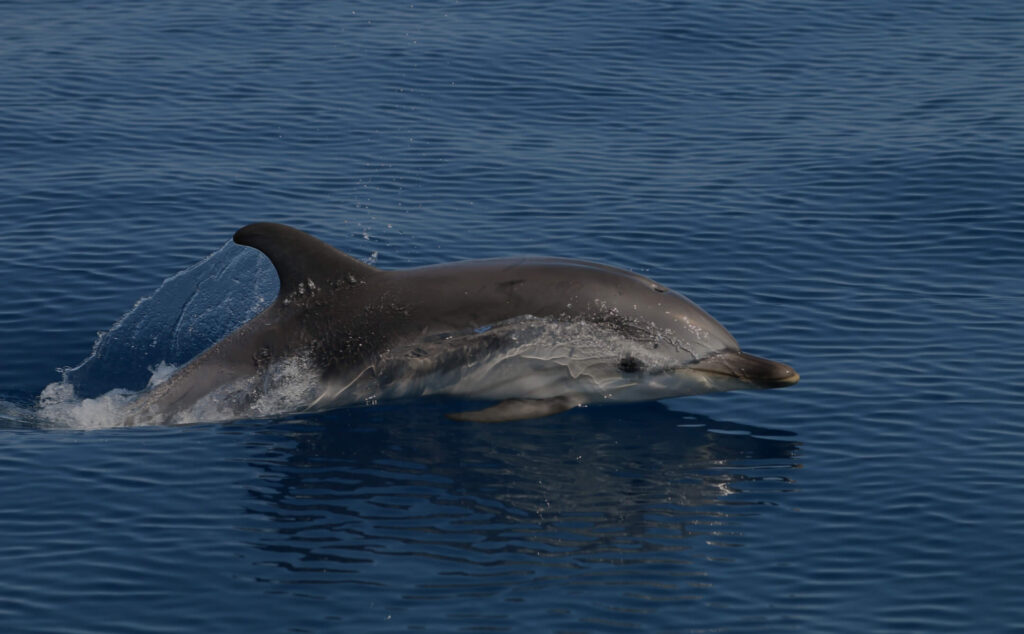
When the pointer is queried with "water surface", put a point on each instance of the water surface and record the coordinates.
(838, 183)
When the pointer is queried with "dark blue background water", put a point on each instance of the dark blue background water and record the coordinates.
(840, 183)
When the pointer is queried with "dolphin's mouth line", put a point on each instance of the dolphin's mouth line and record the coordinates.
(759, 372)
(782, 382)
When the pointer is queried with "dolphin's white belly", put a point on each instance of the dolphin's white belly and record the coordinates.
(526, 358)
(515, 377)
(523, 359)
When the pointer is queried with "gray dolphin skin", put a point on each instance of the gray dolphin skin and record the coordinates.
(538, 335)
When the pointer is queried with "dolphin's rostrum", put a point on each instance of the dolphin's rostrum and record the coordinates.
(539, 335)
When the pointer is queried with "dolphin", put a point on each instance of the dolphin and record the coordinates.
(537, 335)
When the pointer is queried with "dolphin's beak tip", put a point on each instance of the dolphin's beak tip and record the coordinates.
(788, 378)
(771, 374)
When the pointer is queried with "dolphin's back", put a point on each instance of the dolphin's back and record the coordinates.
(477, 293)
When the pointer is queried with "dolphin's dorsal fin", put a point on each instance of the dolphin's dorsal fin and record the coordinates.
(299, 257)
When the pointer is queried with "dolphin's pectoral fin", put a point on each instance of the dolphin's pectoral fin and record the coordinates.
(518, 409)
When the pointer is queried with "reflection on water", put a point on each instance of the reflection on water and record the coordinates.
(635, 500)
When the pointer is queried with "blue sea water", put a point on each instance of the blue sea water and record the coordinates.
(840, 183)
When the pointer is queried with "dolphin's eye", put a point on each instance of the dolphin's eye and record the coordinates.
(630, 364)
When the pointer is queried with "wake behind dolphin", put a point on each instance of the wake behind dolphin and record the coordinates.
(538, 335)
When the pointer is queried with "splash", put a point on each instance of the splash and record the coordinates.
(59, 407)
(188, 312)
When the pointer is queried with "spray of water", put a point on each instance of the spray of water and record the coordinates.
(186, 314)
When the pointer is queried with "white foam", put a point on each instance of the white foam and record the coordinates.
(287, 387)
(58, 406)
(161, 372)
